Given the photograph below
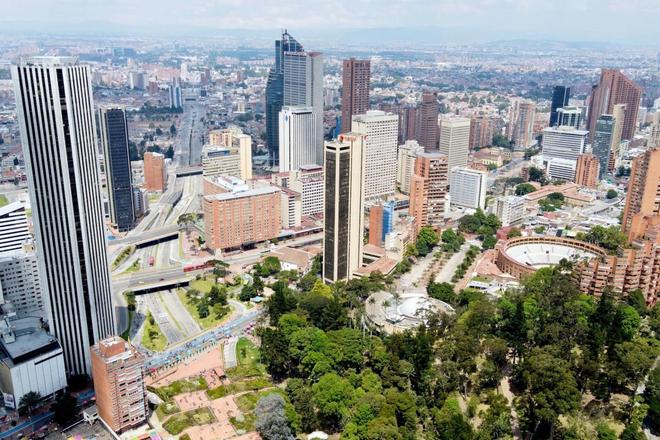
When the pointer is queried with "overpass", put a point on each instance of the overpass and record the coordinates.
(152, 277)
(195, 170)
(150, 237)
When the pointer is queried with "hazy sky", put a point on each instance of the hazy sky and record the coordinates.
(636, 21)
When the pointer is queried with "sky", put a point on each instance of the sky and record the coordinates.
(444, 21)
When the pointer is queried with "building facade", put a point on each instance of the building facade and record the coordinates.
(561, 148)
(520, 129)
(308, 181)
(344, 206)
(221, 161)
(560, 97)
(380, 131)
(428, 190)
(643, 188)
(568, 116)
(114, 140)
(587, 170)
(407, 155)
(427, 122)
(155, 171)
(482, 129)
(510, 210)
(467, 187)
(19, 284)
(63, 175)
(298, 137)
(14, 230)
(356, 75)
(376, 224)
(455, 141)
(121, 392)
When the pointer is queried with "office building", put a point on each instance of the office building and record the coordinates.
(290, 208)
(520, 128)
(561, 148)
(140, 202)
(31, 360)
(389, 217)
(19, 284)
(601, 142)
(275, 93)
(63, 176)
(568, 116)
(467, 188)
(455, 141)
(428, 190)
(137, 80)
(482, 129)
(114, 140)
(654, 138)
(155, 171)
(614, 88)
(376, 224)
(298, 137)
(643, 188)
(220, 161)
(619, 114)
(587, 170)
(174, 93)
(510, 210)
(236, 214)
(427, 122)
(308, 181)
(560, 97)
(406, 164)
(344, 207)
(408, 126)
(355, 95)
(237, 143)
(380, 132)
(13, 227)
(121, 392)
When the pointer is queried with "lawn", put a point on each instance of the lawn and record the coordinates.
(203, 285)
(482, 278)
(3, 200)
(210, 321)
(133, 267)
(179, 387)
(247, 355)
(179, 422)
(248, 402)
(166, 409)
(239, 387)
(152, 337)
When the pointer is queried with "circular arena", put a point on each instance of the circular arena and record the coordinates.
(388, 313)
(524, 255)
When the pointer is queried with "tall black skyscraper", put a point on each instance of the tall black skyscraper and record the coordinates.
(560, 97)
(275, 93)
(114, 138)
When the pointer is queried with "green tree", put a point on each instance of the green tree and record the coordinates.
(29, 401)
(442, 291)
(172, 130)
(611, 194)
(64, 409)
(489, 242)
(302, 398)
(449, 423)
(514, 232)
(652, 396)
(333, 396)
(524, 188)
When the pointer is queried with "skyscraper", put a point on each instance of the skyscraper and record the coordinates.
(427, 122)
(482, 128)
(408, 128)
(619, 113)
(614, 88)
(601, 145)
(114, 139)
(455, 141)
(275, 93)
(406, 164)
(344, 207)
(428, 190)
(298, 139)
(643, 189)
(380, 132)
(355, 96)
(561, 148)
(521, 123)
(174, 91)
(376, 224)
(467, 187)
(560, 97)
(586, 170)
(58, 131)
(571, 116)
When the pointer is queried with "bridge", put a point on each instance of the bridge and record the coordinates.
(153, 279)
(195, 170)
(148, 238)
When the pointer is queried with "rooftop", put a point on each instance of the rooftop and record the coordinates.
(30, 340)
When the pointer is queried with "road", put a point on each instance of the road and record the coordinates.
(174, 306)
(165, 322)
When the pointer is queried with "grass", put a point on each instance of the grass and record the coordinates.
(247, 403)
(482, 278)
(179, 422)
(125, 253)
(3, 200)
(152, 337)
(153, 197)
(247, 355)
(180, 387)
(203, 285)
(166, 409)
(206, 323)
(239, 387)
(133, 267)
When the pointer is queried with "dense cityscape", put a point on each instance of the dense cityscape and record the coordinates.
(271, 238)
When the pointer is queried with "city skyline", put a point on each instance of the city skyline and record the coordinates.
(476, 21)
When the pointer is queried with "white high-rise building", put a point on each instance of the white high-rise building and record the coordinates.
(455, 141)
(381, 131)
(406, 164)
(510, 209)
(174, 90)
(344, 206)
(308, 181)
(303, 85)
(467, 187)
(562, 145)
(298, 139)
(58, 132)
(13, 227)
(19, 283)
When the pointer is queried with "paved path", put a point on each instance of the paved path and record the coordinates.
(447, 272)
(229, 353)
